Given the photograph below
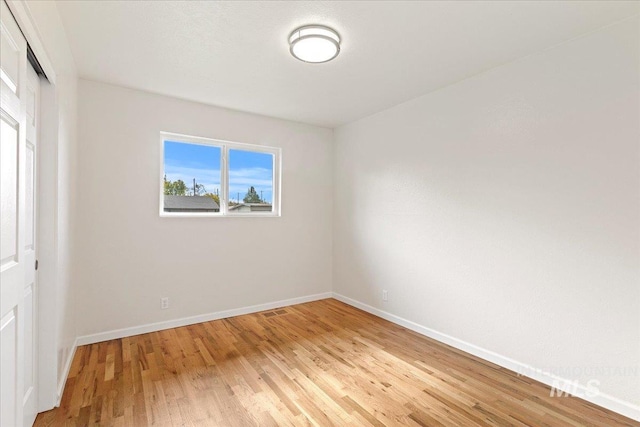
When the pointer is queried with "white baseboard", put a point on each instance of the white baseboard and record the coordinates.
(601, 399)
(168, 324)
(67, 367)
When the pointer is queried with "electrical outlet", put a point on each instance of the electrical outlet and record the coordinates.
(385, 295)
(164, 303)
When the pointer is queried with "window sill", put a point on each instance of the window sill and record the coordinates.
(218, 215)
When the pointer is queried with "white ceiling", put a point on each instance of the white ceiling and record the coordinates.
(235, 54)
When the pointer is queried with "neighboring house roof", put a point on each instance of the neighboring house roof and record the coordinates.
(251, 207)
(190, 204)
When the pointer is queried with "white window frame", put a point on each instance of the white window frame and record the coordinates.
(224, 146)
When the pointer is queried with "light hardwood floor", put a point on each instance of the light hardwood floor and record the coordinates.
(321, 363)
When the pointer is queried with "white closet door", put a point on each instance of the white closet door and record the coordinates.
(13, 242)
(30, 292)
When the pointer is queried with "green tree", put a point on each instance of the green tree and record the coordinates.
(175, 188)
(252, 196)
(214, 197)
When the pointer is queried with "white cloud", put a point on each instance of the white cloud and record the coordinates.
(210, 178)
(239, 179)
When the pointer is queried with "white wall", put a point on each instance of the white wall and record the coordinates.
(57, 149)
(504, 210)
(129, 257)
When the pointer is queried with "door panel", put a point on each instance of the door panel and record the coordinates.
(13, 262)
(8, 369)
(9, 192)
(29, 223)
(29, 402)
(30, 303)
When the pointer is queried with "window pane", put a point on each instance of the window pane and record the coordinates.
(191, 178)
(250, 181)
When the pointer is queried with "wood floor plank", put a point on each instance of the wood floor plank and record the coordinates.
(316, 364)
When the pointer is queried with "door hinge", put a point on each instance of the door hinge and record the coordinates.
(36, 264)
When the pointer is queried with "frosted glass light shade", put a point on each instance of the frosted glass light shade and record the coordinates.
(314, 43)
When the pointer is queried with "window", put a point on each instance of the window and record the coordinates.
(207, 177)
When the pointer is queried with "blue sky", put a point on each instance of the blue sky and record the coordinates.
(202, 162)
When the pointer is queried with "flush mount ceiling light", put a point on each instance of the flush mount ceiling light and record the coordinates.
(314, 43)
